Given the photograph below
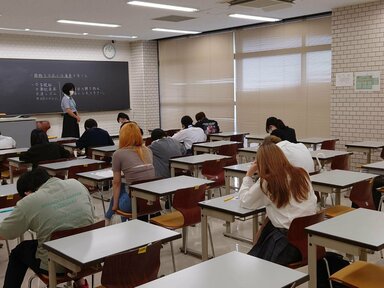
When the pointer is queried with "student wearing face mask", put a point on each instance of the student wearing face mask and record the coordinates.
(71, 116)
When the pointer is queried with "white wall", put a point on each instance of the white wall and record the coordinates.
(36, 47)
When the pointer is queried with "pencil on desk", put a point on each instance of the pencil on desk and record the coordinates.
(229, 198)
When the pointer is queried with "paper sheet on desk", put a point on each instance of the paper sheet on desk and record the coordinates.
(104, 173)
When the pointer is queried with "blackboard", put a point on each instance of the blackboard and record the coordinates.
(34, 86)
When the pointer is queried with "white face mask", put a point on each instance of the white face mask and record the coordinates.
(71, 93)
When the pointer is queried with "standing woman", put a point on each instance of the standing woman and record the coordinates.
(71, 117)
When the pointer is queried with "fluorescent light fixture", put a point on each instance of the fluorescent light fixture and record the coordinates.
(175, 31)
(251, 17)
(162, 6)
(88, 23)
(120, 36)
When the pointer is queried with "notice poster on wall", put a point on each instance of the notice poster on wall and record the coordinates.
(367, 81)
(344, 79)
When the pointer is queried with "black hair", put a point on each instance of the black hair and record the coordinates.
(122, 115)
(157, 134)
(278, 123)
(199, 116)
(186, 121)
(31, 181)
(68, 87)
(38, 136)
(90, 123)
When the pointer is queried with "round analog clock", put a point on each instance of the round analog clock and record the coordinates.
(109, 51)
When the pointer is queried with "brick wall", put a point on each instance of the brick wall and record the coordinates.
(357, 46)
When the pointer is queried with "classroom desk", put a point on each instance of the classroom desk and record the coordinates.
(63, 140)
(228, 209)
(164, 187)
(224, 135)
(16, 163)
(210, 147)
(238, 171)
(96, 178)
(255, 138)
(8, 190)
(314, 141)
(6, 153)
(63, 166)
(335, 180)
(247, 153)
(192, 163)
(325, 156)
(5, 212)
(232, 270)
(71, 147)
(103, 151)
(375, 168)
(351, 233)
(88, 248)
(366, 147)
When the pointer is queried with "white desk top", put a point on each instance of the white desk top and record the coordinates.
(72, 145)
(69, 163)
(98, 175)
(214, 144)
(366, 144)
(5, 212)
(228, 134)
(252, 149)
(315, 140)
(110, 148)
(16, 119)
(63, 139)
(229, 204)
(95, 245)
(198, 159)
(15, 159)
(239, 167)
(340, 178)
(323, 154)
(361, 227)
(256, 136)
(232, 270)
(12, 151)
(374, 166)
(169, 185)
(6, 190)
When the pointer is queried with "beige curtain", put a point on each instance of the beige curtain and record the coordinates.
(284, 70)
(196, 74)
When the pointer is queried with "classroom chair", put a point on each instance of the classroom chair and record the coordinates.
(6, 202)
(238, 138)
(171, 132)
(214, 170)
(229, 150)
(132, 268)
(328, 145)
(340, 162)
(67, 277)
(360, 274)
(187, 212)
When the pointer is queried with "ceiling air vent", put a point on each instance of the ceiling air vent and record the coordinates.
(173, 18)
(262, 3)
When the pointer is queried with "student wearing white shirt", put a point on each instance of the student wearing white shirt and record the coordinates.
(286, 192)
(7, 142)
(189, 134)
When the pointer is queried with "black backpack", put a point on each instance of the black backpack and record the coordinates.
(336, 263)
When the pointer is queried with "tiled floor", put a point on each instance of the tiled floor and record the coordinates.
(222, 245)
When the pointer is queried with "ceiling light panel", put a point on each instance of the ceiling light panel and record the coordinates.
(162, 6)
(175, 31)
(63, 21)
(252, 17)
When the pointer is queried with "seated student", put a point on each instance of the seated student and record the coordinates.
(297, 153)
(163, 148)
(132, 159)
(189, 134)
(286, 192)
(47, 204)
(209, 126)
(42, 150)
(124, 118)
(93, 136)
(277, 128)
(7, 142)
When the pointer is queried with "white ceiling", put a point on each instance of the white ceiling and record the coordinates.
(212, 15)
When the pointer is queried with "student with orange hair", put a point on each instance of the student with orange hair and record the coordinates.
(132, 159)
(286, 192)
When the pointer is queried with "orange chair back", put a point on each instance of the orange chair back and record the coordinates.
(329, 145)
(361, 194)
(186, 201)
(132, 268)
(298, 237)
(340, 162)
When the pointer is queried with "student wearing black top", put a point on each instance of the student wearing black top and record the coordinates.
(93, 136)
(209, 126)
(42, 150)
(277, 128)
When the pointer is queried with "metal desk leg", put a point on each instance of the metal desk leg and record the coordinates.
(204, 236)
(11, 173)
(312, 263)
(51, 272)
(134, 207)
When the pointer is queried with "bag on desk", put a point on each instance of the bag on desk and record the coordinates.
(336, 262)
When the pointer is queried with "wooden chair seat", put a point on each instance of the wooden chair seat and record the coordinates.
(360, 274)
(173, 220)
(337, 210)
